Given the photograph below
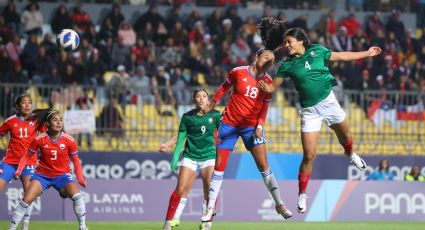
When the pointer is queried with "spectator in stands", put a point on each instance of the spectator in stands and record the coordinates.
(32, 19)
(418, 72)
(117, 85)
(173, 17)
(95, 69)
(81, 18)
(213, 23)
(127, 34)
(180, 82)
(148, 33)
(115, 16)
(162, 89)
(6, 64)
(61, 20)
(110, 120)
(151, 16)
(107, 30)
(179, 35)
(351, 24)
(16, 75)
(192, 19)
(53, 77)
(13, 48)
(227, 33)
(12, 18)
(141, 87)
(374, 24)
(29, 54)
(7, 98)
(216, 76)
(91, 35)
(382, 173)
(301, 22)
(170, 55)
(240, 51)
(328, 24)
(120, 53)
(338, 89)
(414, 175)
(396, 26)
(69, 76)
(342, 41)
(207, 52)
(52, 49)
(42, 67)
(5, 32)
(161, 34)
(232, 14)
(85, 102)
(79, 68)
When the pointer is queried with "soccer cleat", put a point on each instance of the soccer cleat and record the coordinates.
(282, 210)
(209, 213)
(25, 225)
(167, 225)
(205, 225)
(175, 223)
(358, 162)
(302, 203)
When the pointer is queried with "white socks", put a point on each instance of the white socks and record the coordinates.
(216, 181)
(27, 215)
(18, 215)
(272, 185)
(79, 209)
(180, 208)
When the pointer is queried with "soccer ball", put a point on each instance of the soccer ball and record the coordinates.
(68, 40)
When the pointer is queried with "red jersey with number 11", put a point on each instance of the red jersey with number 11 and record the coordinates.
(55, 154)
(246, 99)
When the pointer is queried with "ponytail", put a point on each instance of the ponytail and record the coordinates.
(42, 116)
(271, 32)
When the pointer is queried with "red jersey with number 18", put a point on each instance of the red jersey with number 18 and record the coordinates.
(55, 154)
(246, 99)
(22, 133)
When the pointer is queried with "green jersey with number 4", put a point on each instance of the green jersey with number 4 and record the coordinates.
(311, 76)
(200, 131)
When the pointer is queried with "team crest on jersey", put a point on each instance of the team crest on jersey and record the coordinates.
(31, 123)
(313, 53)
(62, 146)
(210, 120)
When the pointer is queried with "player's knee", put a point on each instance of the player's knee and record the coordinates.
(262, 166)
(309, 157)
(182, 191)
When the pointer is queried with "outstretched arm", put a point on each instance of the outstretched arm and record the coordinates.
(350, 56)
(270, 88)
(164, 146)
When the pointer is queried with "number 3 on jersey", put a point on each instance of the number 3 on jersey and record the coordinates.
(307, 65)
(54, 155)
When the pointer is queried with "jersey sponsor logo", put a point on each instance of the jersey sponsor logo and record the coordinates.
(62, 146)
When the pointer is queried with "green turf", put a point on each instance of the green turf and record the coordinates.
(44, 225)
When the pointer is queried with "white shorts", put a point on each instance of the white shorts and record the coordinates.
(327, 110)
(196, 165)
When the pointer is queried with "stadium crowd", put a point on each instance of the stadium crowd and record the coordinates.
(159, 57)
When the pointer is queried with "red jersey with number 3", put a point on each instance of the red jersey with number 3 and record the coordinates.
(246, 99)
(22, 133)
(54, 154)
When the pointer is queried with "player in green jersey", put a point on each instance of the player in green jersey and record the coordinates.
(198, 127)
(306, 67)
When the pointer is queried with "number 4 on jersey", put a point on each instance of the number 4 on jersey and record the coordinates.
(307, 65)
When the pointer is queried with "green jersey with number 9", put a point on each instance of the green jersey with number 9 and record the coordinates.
(311, 76)
(200, 132)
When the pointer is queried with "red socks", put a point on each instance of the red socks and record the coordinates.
(221, 161)
(302, 182)
(172, 205)
(348, 147)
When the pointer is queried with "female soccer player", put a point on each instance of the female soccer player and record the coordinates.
(22, 133)
(57, 148)
(306, 67)
(198, 127)
(244, 116)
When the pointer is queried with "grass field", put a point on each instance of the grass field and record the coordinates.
(44, 225)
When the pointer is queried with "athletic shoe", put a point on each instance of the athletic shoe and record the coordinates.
(302, 203)
(167, 225)
(358, 162)
(282, 210)
(205, 225)
(175, 223)
(206, 217)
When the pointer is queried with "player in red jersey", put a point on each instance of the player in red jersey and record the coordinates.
(244, 116)
(57, 149)
(22, 133)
